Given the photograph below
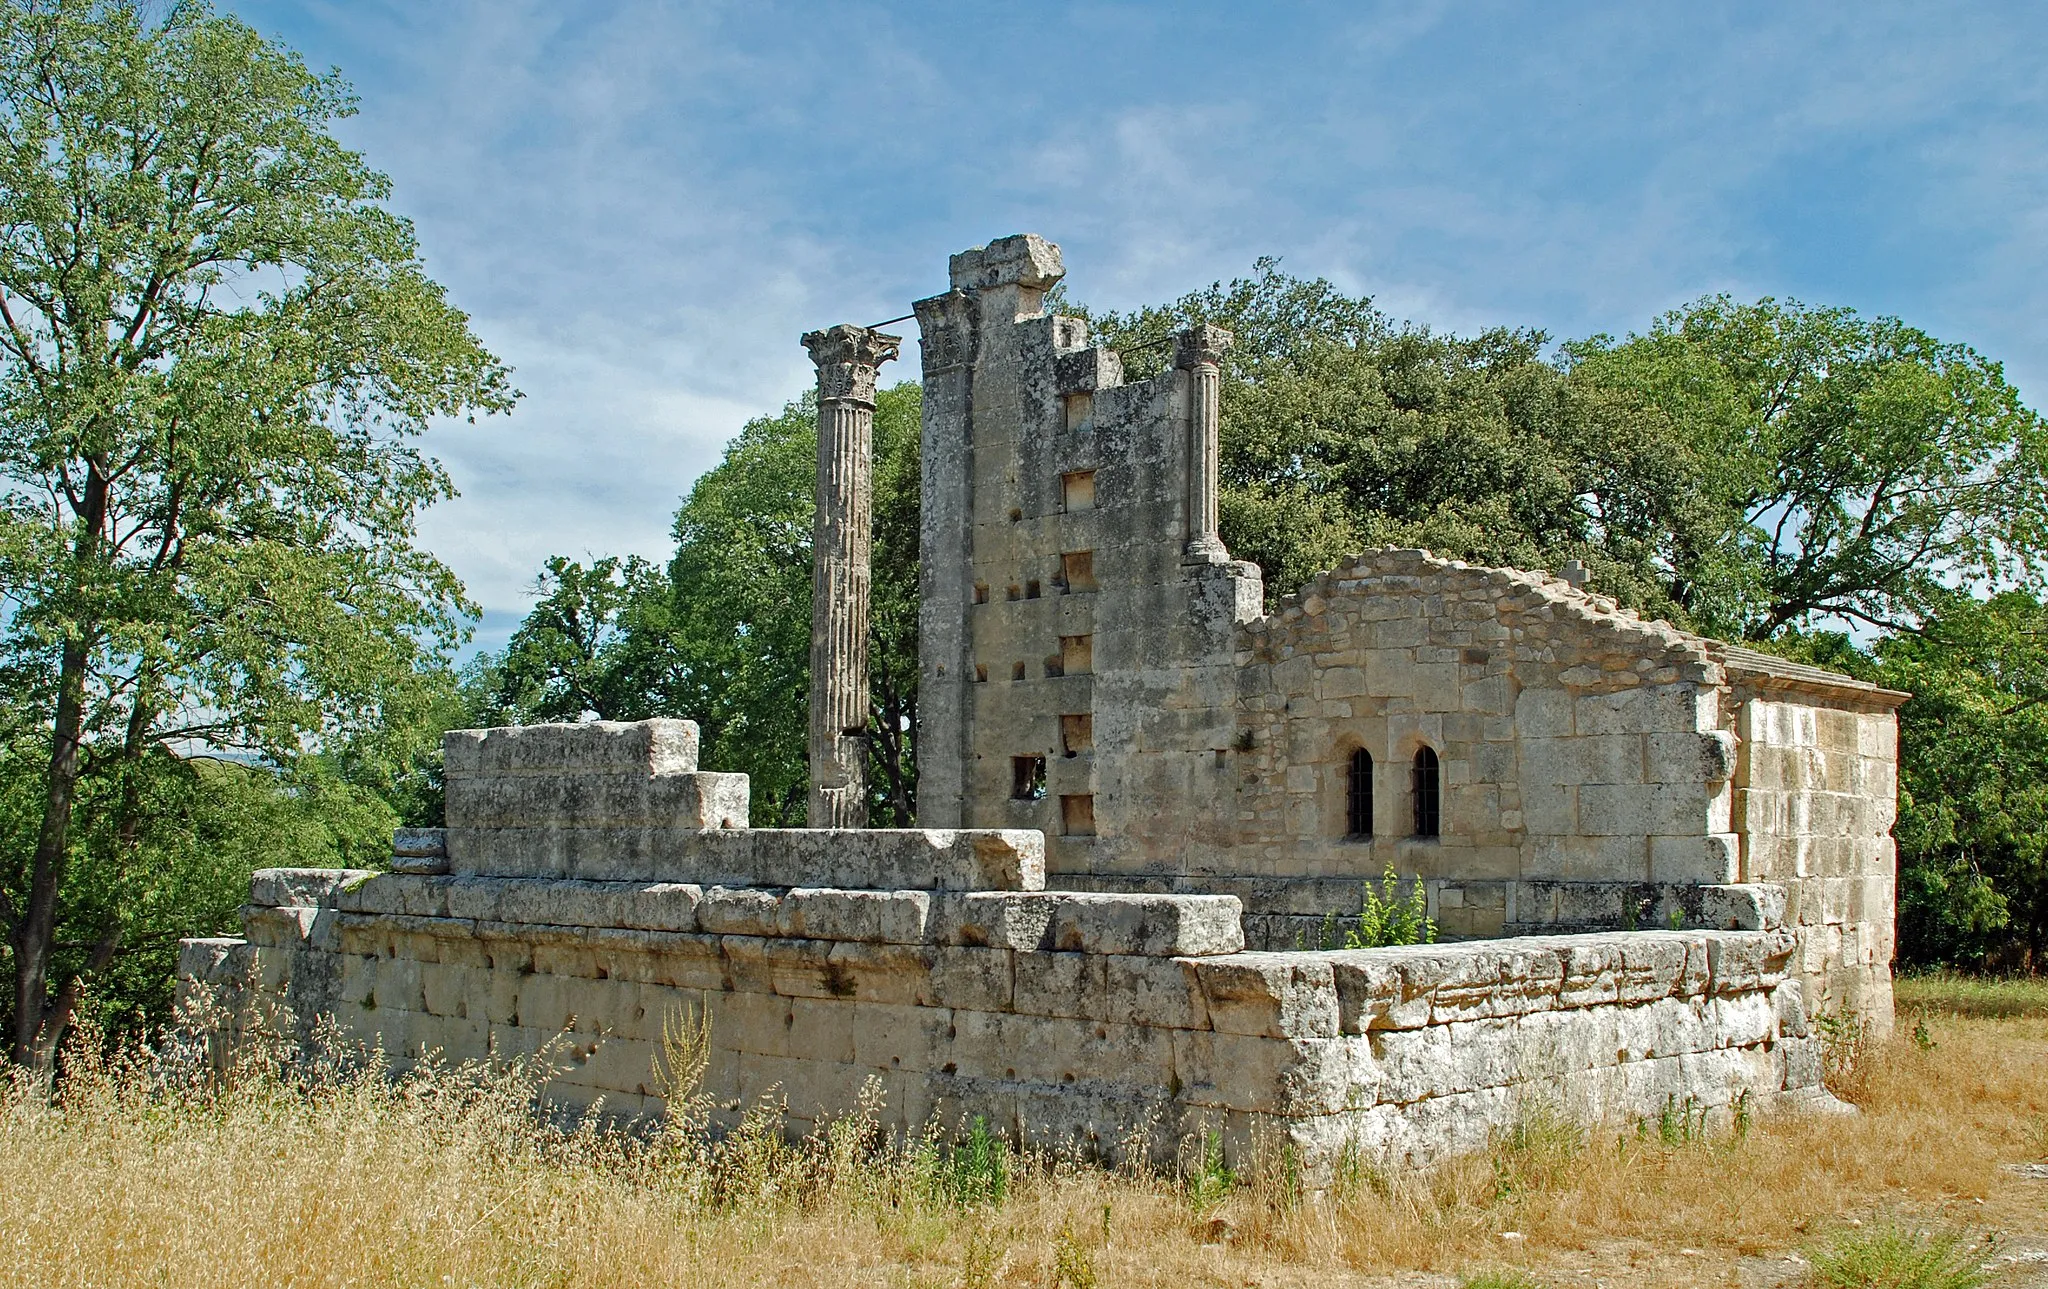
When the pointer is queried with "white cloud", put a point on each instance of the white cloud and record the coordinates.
(645, 203)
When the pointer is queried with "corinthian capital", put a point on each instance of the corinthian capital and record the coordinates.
(1201, 346)
(847, 357)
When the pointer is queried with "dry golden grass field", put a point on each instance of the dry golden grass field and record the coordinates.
(138, 1175)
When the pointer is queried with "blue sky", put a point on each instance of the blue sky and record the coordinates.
(643, 204)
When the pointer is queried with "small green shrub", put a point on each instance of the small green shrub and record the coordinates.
(977, 1171)
(1842, 1040)
(1679, 1123)
(1387, 917)
(1897, 1257)
(1210, 1179)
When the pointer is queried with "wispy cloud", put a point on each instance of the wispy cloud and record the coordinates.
(643, 203)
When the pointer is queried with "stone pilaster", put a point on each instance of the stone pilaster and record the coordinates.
(841, 570)
(1198, 351)
(945, 576)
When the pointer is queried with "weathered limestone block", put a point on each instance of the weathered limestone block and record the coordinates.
(873, 859)
(740, 911)
(1754, 906)
(419, 843)
(295, 887)
(1156, 925)
(883, 917)
(697, 799)
(1276, 995)
(1290, 1077)
(651, 747)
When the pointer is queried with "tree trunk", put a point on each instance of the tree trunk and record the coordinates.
(36, 1022)
(38, 931)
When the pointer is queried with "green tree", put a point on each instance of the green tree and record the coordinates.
(1847, 468)
(1973, 779)
(215, 345)
(594, 643)
(1343, 430)
(724, 639)
(741, 581)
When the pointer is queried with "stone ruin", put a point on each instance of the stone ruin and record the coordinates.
(1656, 858)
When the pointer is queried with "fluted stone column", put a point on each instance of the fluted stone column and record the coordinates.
(1198, 351)
(841, 559)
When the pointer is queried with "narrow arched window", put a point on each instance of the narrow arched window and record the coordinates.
(1358, 795)
(1426, 795)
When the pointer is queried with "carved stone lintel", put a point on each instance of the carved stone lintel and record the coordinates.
(847, 357)
(1202, 346)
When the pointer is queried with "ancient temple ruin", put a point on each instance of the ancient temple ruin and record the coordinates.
(1655, 857)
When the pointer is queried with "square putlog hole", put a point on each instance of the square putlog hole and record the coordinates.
(1077, 490)
(1027, 778)
(1077, 815)
(1077, 734)
(1080, 410)
(1077, 570)
(1077, 655)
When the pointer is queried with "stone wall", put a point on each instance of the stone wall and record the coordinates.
(1575, 743)
(1077, 655)
(1816, 796)
(1063, 1017)
(1098, 670)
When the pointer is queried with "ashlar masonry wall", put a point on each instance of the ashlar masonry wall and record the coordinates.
(1096, 666)
(1816, 795)
(1594, 769)
(932, 965)
(1076, 634)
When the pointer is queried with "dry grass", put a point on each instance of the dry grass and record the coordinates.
(143, 1174)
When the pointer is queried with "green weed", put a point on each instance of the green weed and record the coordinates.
(1897, 1257)
(1535, 1153)
(1210, 1179)
(1387, 917)
(977, 1170)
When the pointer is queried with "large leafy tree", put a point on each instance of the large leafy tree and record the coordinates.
(1841, 467)
(215, 346)
(1343, 429)
(594, 645)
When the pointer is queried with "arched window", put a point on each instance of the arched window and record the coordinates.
(1358, 795)
(1426, 816)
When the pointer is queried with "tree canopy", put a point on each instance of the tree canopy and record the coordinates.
(216, 345)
